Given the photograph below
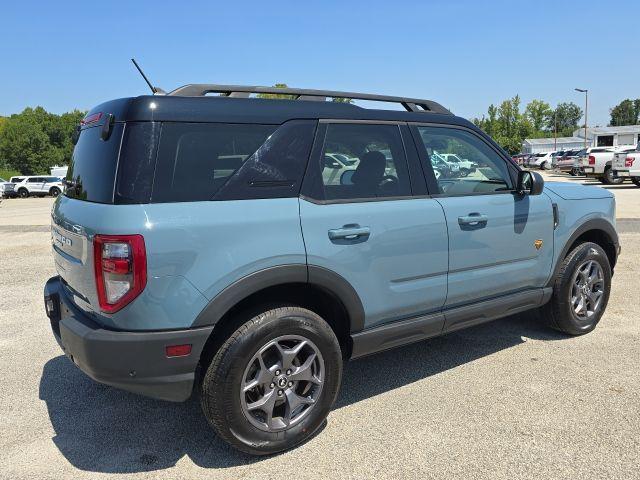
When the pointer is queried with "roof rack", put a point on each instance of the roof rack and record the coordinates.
(244, 91)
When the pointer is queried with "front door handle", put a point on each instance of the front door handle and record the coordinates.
(473, 219)
(349, 232)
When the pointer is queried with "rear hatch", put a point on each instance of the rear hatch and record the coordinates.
(93, 198)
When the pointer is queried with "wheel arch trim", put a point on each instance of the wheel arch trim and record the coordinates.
(274, 276)
(594, 224)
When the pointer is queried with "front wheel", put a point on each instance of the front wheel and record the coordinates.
(23, 193)
(580, 291)
(273, 382)
(636, 181)
(54, 192)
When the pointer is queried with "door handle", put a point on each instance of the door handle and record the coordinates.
(349, 232)
(473, 219)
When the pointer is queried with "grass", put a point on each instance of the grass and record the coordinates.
(6, 173)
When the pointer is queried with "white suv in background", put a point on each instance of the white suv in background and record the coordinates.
(40, 186)
(541, 160)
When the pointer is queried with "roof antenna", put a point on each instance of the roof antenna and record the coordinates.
(155, 90)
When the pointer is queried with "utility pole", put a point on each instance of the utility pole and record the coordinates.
(555, 131)
(586, 107)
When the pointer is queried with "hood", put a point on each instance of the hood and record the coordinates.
(576, 191)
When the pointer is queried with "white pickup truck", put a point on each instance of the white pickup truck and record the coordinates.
(598, 164)
(627, 165)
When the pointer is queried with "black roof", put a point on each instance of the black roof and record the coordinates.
(175, 108)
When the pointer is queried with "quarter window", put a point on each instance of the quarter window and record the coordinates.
(477, 167)
(363, 161)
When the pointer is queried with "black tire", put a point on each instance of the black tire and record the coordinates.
(543, 166)
(221, 386)
(464, 172)
(559, 312)
(609, 178)
(23, 193)
(54, 192)
(636, 181)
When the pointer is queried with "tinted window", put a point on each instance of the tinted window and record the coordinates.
(231, 161)
(92, 170)
(35, 180)
(137, 162)
(488, 172)
(378, 168)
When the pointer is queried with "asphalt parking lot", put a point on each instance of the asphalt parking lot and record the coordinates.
(509, 399)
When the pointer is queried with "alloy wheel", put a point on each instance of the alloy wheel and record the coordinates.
(587, 290)
(282, 383)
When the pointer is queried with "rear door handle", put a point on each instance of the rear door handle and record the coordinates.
(349, 232)
(473, 219)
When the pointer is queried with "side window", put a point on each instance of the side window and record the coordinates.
(198, 162)
(363, 161)
(462, 163)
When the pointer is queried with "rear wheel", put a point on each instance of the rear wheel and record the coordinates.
(273, 382)
(23, 193)
(610, 178)
(636, 181)
(580, 291)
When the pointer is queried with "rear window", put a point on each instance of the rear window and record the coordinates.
(199, 162)
(93, 165)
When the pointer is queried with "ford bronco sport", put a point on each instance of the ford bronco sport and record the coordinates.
(201, 245)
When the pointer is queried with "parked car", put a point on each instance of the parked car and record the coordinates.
(39, 186)
(7, 189)
(465, 167)
(253, 287)
(598, 164)
(566, 161)
(541, 161)
(627, 165)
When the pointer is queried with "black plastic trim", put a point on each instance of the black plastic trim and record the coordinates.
(280, 275)
(132, 361)
(593, 224)
(415, 329)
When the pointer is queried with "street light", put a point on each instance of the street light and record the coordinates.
(586, 106)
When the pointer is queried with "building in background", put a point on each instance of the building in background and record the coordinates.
(624, 136)
(544, 145)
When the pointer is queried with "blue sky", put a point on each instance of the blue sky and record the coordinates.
(464, 54)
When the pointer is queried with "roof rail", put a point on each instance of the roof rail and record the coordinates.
(244, 91)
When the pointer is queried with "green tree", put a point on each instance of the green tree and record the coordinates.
(282, 96)
(34, 140)
(538, 113)
(626, 112)
(567, 115)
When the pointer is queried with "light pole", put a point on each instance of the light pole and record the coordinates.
(586, 106)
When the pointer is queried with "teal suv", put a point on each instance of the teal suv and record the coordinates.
(243, 248)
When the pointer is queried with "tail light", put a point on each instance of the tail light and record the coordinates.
(120, 264)
(592, 160)
(628, 162)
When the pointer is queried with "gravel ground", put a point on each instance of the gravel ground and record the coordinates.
(509, 399)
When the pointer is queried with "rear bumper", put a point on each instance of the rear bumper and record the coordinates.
(133, 361)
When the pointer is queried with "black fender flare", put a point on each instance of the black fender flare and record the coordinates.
(593, 224)
(321, 277)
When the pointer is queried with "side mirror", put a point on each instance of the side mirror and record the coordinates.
(530, 182)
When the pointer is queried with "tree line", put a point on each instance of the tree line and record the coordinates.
(509, 126)
(34, 140)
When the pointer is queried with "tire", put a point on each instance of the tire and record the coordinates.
(543, 166)
(54, 192)
(560, 311)
(636, 181)
(464, 172)
(23, 193)
(237, 362)
(609, 178)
